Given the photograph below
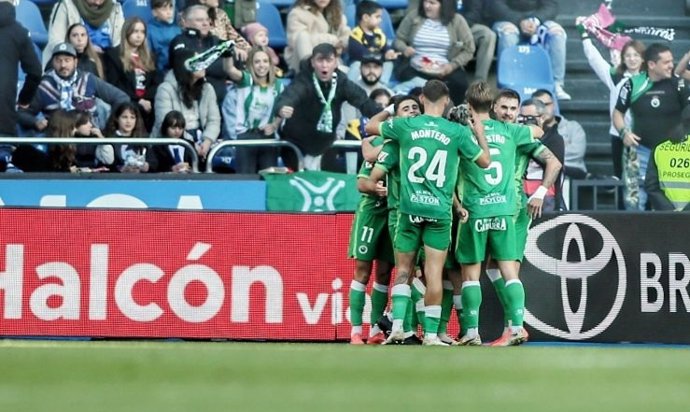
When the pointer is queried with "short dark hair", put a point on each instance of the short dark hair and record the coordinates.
(366, 7)
(448, 10)
(434, 90)
(324, 49)
(379, 92)
(398, 99)
(160, 3)
(542, 92)
(651, 54)
(507, 94)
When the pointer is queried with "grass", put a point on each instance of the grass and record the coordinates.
(193, 376)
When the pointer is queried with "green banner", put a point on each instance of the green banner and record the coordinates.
(311, 192)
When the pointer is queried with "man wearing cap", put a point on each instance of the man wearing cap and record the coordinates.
(312, 105)
(65, 87)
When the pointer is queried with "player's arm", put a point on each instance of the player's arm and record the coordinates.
(484, 158)
(459, 210)
(537, 132)
(370, 150)
(373, 126)
(552, 168)
(373, 184)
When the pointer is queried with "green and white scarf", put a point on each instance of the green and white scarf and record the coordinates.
(325, 123)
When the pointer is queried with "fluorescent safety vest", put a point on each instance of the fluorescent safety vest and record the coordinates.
(673, 166)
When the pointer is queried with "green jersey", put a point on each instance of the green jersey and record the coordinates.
(491, 192)
(429, 151)
(389, 161)
(370, 203)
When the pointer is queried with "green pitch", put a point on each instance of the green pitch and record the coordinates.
(159, 376)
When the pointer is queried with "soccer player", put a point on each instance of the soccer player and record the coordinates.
(490, 197)
(429, 150)
(371, 238)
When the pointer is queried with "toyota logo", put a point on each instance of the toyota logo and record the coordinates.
(581, 270)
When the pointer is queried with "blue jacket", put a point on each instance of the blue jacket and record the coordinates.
(160, 34)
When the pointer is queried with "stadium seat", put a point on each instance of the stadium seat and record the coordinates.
(525, 68)
(386, 23)
(138, 8)
(393, 4)
(280, 4)
(45, 2)
(268, 15)
(30, 17)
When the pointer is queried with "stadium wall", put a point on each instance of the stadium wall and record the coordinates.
(604, 277)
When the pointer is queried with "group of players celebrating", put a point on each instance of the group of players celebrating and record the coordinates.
(440, 199)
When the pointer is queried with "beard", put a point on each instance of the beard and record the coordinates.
(371, 80)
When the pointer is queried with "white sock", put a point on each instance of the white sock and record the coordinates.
(397, 325)
(355, 330)
(457, 301)
(381, 288)
(472, 333)
(374, 330)
(493, 274)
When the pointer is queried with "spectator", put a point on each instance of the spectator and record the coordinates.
(103, 20)
(574, 137)
(66, 87)
(535, 109)
(95, 157)
(531, 21)
(171, 158)
(655, 98)
(16, 47)
(668, 174)
(221, 26)
(312, 105)
(162, 30)
(189, 93)
(130, 68)
(312, 22)
(62, 158)
(126, 121)
(368, 39)
(198, 38)
(241, 12)
(258, 90)
(614, 78)
(87, 58)
(437, 43)
(257, 36)
(484, 38)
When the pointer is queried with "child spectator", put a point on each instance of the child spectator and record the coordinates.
(257, 36)
(130, 68)
(88, 59)
(368, 38)
(257, 93)
(171, 158)
(62, 158)
(162, 29)
(89, 156)
(126, 121)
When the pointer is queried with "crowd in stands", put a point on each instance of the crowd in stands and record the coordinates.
(104, 73)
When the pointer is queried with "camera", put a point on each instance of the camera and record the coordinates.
(533, 120)
(460, 114)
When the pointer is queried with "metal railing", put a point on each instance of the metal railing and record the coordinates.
(156, 141)
(253, 143)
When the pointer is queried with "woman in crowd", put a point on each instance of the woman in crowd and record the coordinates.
(257, 91)
(437, 43)
(131, 68)
(312, 22)
(103, 20)
(88, 59)
(189, 93)
(126, 121)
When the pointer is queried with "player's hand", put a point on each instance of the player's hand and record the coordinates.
(534, 207)
(463, 214)
(381, 190)
(631, 139)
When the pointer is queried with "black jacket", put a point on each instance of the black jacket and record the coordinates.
(16, 47)
(555, 143)
(161, 160)
(300, 129)
(116, 75)
(191, 39)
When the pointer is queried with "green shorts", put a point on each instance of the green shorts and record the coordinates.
(495, 235)
(522, 222)
(413, 232)
(369, 237)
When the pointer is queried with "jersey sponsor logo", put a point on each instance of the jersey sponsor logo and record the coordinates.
(492, 199)
(363, 249)
(655, 102)
(560, 266)
(490, 223)
(425, 199)
(430, 134)
(318, 198)
(420, 219)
